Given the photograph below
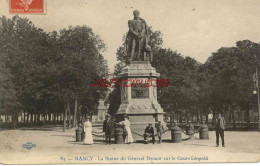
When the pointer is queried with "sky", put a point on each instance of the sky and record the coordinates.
(194, 28)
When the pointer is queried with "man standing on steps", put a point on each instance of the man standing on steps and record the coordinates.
(108, 127)
(220, 127)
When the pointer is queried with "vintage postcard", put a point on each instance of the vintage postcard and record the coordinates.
(129, 81)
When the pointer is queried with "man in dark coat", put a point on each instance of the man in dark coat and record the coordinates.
(149, 132)
(220, 127)
(108, 127)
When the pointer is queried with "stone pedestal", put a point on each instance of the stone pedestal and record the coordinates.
(139, 97)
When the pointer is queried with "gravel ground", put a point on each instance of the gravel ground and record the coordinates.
(55, 146)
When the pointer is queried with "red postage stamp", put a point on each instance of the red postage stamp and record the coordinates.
(27, 6)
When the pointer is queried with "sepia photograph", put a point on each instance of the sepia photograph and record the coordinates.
(129, 81)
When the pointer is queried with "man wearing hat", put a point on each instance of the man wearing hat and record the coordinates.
(220, 127)
(149, 132)
(108, 127)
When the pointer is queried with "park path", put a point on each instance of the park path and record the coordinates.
(55, 146)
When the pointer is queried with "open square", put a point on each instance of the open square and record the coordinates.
(58, 147)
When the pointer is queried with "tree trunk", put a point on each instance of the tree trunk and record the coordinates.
(61, 117)
(79, 116)
(233, 118)
(55, 117)
(69, 123)
(5, 118)
(229, 116)
(31, 116)
(198, 117)
(248, 119)
(75, 114)
(24, 117)
(38, 117)
(213, 119)
(65, 118)
(173, 117)
(27, 117)
(49, 117)
(14, 119)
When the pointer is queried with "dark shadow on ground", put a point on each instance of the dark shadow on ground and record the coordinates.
(97, 142)
(139, 141)
(196, 144)
(74, 142)
(192, 138)
(167, 140)
(215, 146)
(185, 139)
(150, 142)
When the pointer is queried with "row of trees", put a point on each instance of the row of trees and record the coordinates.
(49, 73)
(228, 83)
(224, 83)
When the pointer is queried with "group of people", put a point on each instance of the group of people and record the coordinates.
(109, 126)
(108, 129)
(149, 132)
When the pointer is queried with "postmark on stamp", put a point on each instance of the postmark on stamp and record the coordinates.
(27, 6)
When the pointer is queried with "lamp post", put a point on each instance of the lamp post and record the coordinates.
(256, 91)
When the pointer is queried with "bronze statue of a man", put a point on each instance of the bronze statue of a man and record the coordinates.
(137, 39)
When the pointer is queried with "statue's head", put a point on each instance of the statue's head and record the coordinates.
(136, 13)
